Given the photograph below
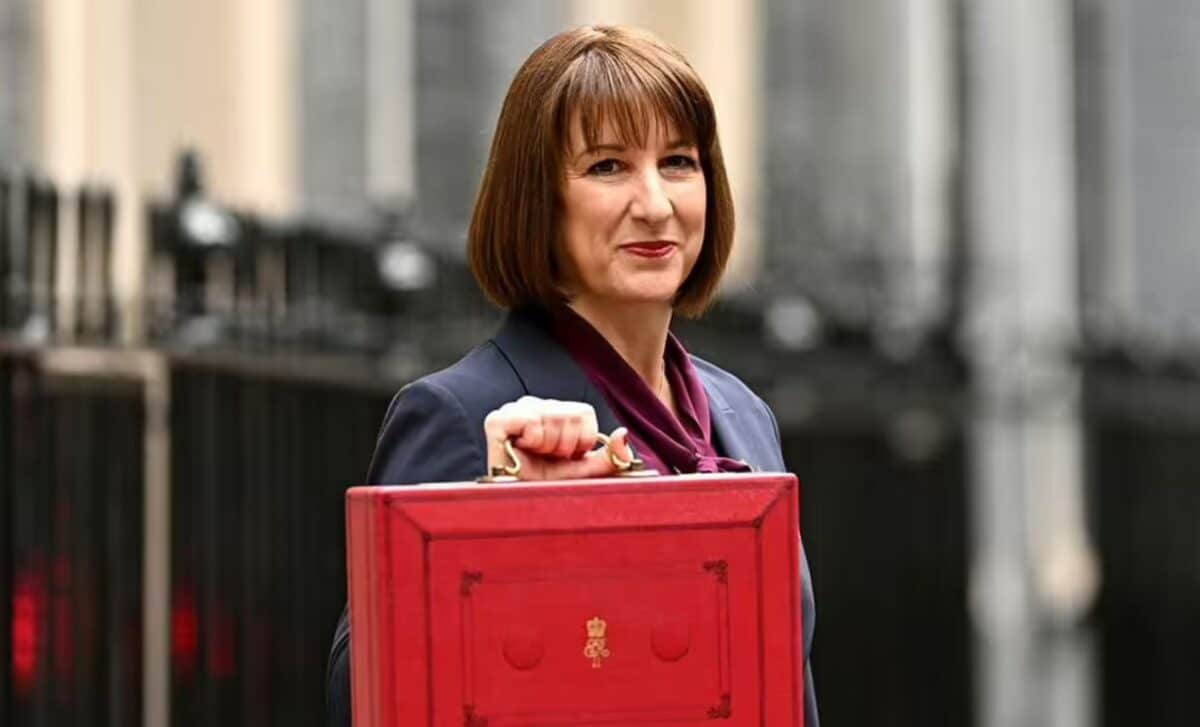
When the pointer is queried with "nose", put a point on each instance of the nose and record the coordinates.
(651, 201)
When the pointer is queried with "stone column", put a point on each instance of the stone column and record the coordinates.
(263, 112)
(1033, 569)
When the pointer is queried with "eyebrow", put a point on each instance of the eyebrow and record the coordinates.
(673, 145)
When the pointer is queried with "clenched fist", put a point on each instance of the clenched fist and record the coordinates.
(552, 439)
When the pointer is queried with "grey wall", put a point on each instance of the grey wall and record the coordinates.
(1139, 131)
(19, 97)
(332, 109)
(465, 55)
(835, 195)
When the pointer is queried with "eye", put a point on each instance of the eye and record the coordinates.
(605, 167)
(680, 162)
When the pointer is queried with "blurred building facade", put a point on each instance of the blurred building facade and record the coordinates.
(846, 122)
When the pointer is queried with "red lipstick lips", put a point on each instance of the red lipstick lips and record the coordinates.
(650, 248)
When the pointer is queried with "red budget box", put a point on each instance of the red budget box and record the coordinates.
(652, 601)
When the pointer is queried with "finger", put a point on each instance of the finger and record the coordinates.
(599, 463)
(497, 456)
(572, 415)
(618, 444)
(552, 427)
(568, 440)
(587, 433)
(510, 417)
(533, 436)
(508, 421)
(596, 463)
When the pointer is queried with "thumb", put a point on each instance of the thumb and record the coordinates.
(599, 462)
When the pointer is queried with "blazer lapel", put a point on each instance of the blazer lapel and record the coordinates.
(730, 442)
(544, 367)
(734, 437)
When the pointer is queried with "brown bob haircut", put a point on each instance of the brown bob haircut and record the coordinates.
(621, 76)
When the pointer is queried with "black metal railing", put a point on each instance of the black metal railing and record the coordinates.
(1143, 441)
(72, 490)
(243, 282)
(259, 470)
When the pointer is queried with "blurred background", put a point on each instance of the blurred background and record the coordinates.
(230, 230)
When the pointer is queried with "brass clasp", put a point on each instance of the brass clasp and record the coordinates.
(511, 472)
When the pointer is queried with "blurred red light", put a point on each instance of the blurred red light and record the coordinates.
(28, 607)
(185, 632)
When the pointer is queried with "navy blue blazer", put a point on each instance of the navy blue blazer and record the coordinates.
(433, 432)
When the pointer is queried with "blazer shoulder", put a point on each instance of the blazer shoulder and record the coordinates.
(433, 428)
(735, 391)
(479, 382)
(736, 395)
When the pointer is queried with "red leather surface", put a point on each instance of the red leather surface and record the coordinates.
(471, 604)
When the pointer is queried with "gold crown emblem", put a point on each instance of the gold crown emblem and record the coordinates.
(596, 627)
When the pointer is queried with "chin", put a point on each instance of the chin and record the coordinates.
(663, 296)
(639, 288)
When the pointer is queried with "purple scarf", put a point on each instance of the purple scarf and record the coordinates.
(664, 442)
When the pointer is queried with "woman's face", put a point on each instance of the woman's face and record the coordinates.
(633, 217)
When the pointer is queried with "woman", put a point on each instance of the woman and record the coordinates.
(603, 211)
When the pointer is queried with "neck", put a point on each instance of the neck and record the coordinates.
(637, 331)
